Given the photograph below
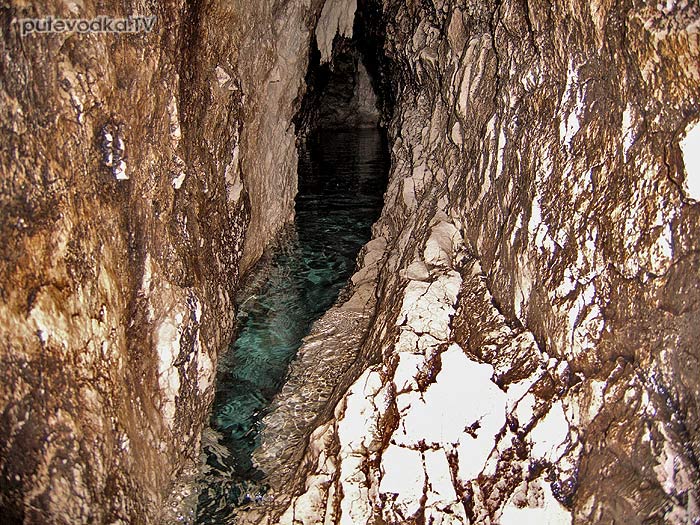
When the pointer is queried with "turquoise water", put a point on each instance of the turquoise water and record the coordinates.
(342, 177)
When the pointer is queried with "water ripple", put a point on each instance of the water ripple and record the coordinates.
(342, 176)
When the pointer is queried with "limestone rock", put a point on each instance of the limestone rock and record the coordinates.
(140, 172)
(519, 342)
(532, 356)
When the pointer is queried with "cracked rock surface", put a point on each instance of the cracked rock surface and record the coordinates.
(531, 356)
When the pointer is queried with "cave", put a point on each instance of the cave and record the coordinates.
(497, 325)
(342, 175)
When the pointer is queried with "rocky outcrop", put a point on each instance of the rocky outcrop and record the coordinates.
(531, 353)
(133, 166)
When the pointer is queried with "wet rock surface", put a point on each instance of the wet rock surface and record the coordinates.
(342, 175)
(531, 355)
(132, 167)
(524, 346)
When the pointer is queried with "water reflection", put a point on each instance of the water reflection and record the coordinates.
(342, 176)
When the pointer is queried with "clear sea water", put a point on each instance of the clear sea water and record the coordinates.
(342, 177)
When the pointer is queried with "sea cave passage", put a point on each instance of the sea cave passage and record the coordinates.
(342, 175)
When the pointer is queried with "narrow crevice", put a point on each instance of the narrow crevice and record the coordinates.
(342, 175)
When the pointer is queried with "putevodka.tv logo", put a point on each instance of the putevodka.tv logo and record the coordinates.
(99, 24)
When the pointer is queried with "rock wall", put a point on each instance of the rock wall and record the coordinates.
(132, 168)
(338, 94)
(531, 355)
(530, 296)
